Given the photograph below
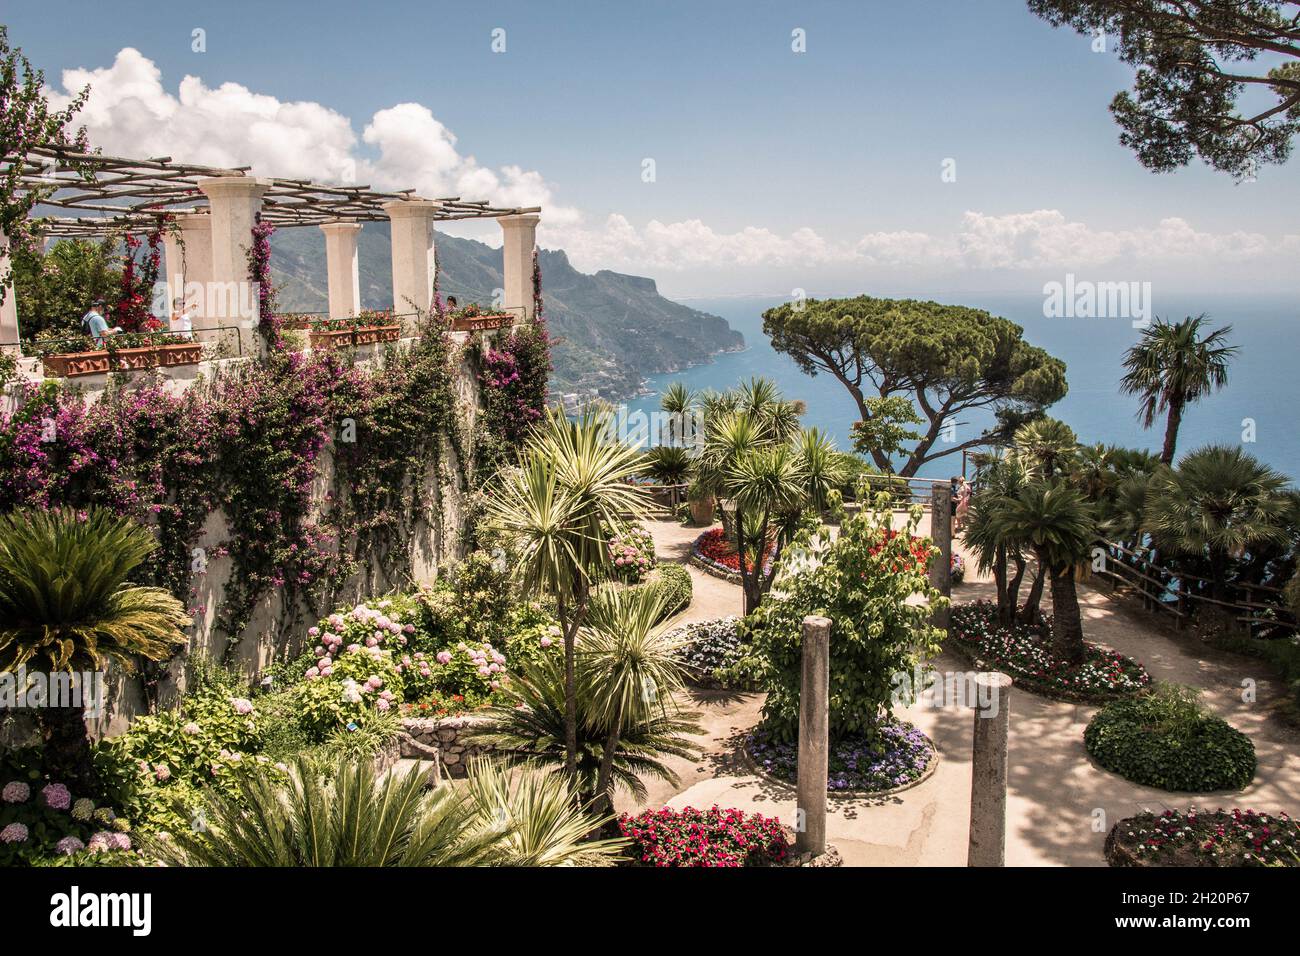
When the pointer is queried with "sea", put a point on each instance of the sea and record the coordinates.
(1257, 409)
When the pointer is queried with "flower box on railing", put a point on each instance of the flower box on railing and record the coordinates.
(370, 334)
(135, 359)
(180, 353)
(72, 364)
(481, 323)
(330, 338)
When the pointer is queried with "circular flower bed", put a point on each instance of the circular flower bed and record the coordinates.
(900, 756)
(1165, 739)
(713, 837)
(1222, 838)
(713, 651)
(1025, 653)
(714, 553)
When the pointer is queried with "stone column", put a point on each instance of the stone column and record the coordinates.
(235, 202)
(814, 732)
(941, 535)
(189, 268)
(519, 235)
(413, 254)
(988, 779)
(8, 308)
(341, 265)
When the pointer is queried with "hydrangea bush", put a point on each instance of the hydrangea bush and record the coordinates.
(633, 554)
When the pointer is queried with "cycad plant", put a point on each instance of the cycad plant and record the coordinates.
(1173, 366)
(1219, 503)
(348, 815)
(558, 507)
(1052, 519)
(1046, 447)
(66, 606)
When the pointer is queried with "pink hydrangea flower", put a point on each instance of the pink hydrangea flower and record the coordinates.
(546, 642)
(15, 792)
(14, 833)
(69, 845)
(56, 796)
(162, 772)
(444, 657)
(241, 705)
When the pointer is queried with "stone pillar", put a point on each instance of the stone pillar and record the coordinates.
(988, 779)
(8, 308)
(519, 235)
(413, 254)
(341, 265)
(814, 733)
(189, 268)
(941, 535)
(235, 202)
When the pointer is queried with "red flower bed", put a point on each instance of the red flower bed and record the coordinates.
(714, 837)
(920, 549)
(716, 547)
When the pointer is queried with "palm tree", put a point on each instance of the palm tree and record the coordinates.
(1171, 367)
(1218, 503)
(668, 464)
(677, 400)
(768, 485)
(531, 726)
(1046, 447)
(1000, 478)
(1053, 520)
(630, 669)
(66, 606)
(350, 816)
(558, 506)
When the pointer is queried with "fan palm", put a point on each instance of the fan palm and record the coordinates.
(1171, 367)
(66, 606)
(350, 816)
(1046, 447)
(1000, 479)
(1053, 520)
(532, 726)
(1218, 503)
(557, 506)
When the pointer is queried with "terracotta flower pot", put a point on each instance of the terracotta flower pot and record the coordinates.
(179, 353)
(72, 364)
(331, 339)
(135, 359)
(481, 323)
(370, 334)
(702, 511)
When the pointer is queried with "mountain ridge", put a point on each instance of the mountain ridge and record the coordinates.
(612, 330)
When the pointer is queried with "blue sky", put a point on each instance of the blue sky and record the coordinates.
(770, 166)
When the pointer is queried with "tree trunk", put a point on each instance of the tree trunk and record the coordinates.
(604, 779)
(1171, 431)
(570, 683)
(1067, 624)
(1031, 613)
(67, 752)
(1007, 614)
(1000, 578)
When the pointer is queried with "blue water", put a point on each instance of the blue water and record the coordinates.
(1263, 382)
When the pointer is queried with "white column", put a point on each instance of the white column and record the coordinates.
(519, 234)
(234, 203)
(413, 257)
(9, 308)
(188, 248)
(341, 265)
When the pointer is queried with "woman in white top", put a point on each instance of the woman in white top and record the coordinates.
(181, 322)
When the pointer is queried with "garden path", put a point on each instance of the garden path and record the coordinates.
(1059, 804)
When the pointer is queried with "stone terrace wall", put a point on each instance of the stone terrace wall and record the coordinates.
(448, 734)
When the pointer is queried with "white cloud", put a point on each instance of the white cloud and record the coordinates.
(130, 112)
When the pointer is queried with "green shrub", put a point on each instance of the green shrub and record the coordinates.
(675, 581)
(864, 581)
(362, 684)
(1166, 739)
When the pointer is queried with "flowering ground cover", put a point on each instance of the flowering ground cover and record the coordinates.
(714, 837)
(714, 651)
(898, 755)
(1222, 838)
(716, 552)
(1025, 653)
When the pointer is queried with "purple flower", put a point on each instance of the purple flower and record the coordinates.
(15, 792)
(14, 833)
(56, 796)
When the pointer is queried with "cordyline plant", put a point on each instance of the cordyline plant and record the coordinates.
(26, 121)
(559, 506)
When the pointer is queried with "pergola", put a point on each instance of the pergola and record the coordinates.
(214, 210)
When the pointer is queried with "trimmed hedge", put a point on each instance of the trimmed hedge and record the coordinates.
(1165, 739)
(676, 583)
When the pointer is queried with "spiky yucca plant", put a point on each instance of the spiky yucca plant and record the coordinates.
(350, 816)
(66, 607)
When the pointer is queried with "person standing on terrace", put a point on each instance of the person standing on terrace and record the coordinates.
(95, 324)
(181, 323)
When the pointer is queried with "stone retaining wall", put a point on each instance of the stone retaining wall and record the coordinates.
(448, 734)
